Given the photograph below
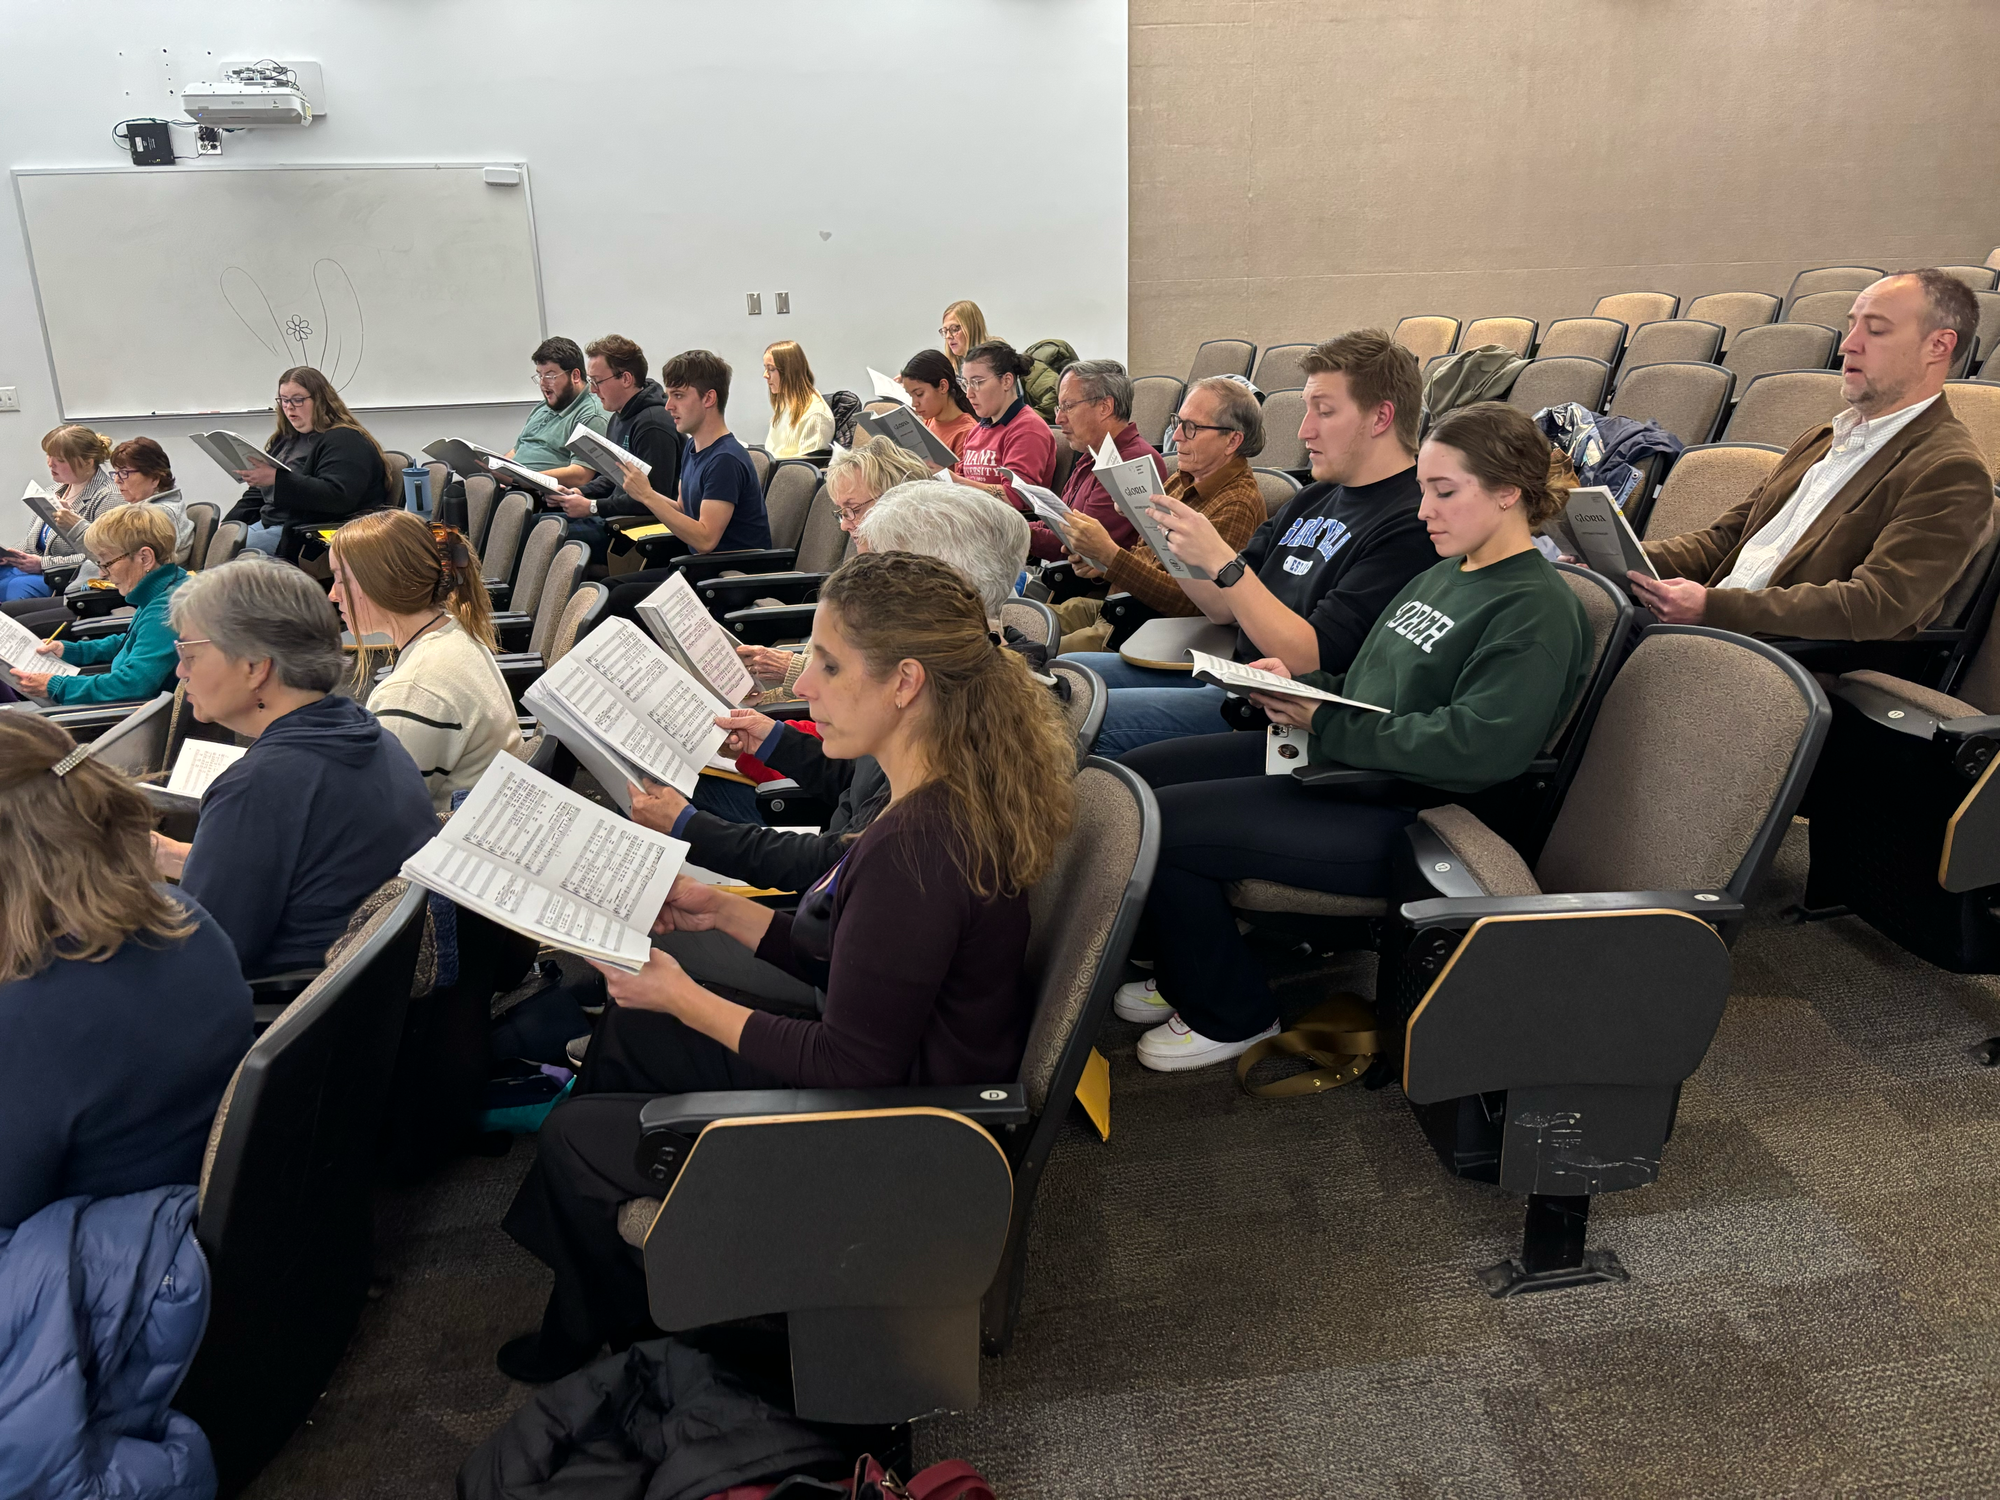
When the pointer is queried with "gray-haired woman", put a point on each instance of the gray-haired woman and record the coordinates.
(324, 807)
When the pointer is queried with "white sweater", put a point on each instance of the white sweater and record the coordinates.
(810, 434)
(449, 707)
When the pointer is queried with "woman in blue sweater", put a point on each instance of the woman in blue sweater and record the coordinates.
(121, 1005)
(134, 545)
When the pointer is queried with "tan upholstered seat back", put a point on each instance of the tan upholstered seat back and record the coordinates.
(1155, 401)
(1592, 338)
(1672, 340)
(203, 517)
(1558, 380)
(1779, 409)
(1686, 399)
(503, 537)
(1278, 368)
(1517, 334)
(570, 625)
(480, 495)
(1602, 611)
(1977, 405)
(1735, 311)
(1036, 621)
(1426, 336)
(789, 500)
(1283, 447)
(1277, 488)
(225, 544)
(1827, 308)
(1071, 912)
(1779, 346)
(1634, 308)
(565, 572)
(1849, 279)
(1683, 764)
(823, 545)
(533, 571)
(1704, 483)
(1221, 357)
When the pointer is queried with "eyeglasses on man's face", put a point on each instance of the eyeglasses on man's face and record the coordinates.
(595, 384)
(551, 377)
(1184, 428)
(1069, 406)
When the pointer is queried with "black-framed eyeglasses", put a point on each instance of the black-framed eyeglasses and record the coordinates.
(1184, 428)
(123, 473)
(293, 403)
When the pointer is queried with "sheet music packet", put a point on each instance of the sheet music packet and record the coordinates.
(198, 764)
(1234, 677)
(906, 430)
(1131, 484)
(1605, 537)
(535, 857)
(603, 455)
(697, 640)
(888, 387)
(18, 649)
(233, 454)
(467, 459)
(1047, 504)
(629, 711)
(43, 504)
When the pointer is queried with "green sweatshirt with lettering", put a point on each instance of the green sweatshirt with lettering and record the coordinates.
(1476, 669)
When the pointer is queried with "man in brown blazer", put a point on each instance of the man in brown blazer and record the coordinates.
(1866, 523)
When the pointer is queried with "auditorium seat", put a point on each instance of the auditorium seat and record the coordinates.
(1278, 367)
(481, 494)
(501, 554)
(1735, 311)
(1687, 399)
(1155, 401)
(788, 500)
(1705, 481)
(762, 462)
(1988, 335)
(1634, 308)
(1601, 339)
(204, 517)
(1033, 619)
(1277, 487)
(1829, 308)
(1553, 380)
(437, 475)
(1222, 357)
(285, 1219)
(774, 1199)
(1427, 335)
(822, 547)
(1517, 334)
(1670, 341)
(1780, 407)
(1548, 1016)
(1084, 703)
(1977, 405)
(1827, 279)
(1978, 278)
(1065, 460)
(225, 544)
(513, 625)
(1779, 346)
(1283, 447)
(398, 460)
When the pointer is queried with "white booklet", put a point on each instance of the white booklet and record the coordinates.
(234, 454)
(18, 649)
(43, 504)
(199, 763)
(696, 639)
(1047, 504)
(1236, 678)
(536, 857)
(468, 459)
(603, 455)
(1604, 535)
(1131, 484)
(887, 387)
(629, 711)
(906, 430)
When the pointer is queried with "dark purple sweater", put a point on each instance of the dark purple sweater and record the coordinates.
(925, 983)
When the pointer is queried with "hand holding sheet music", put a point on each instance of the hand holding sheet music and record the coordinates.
(603, 455)
(236, 456)
(1234, 677)
(888, 387)
(198, 764)
(21, 649)
(1604, 536)
(1134, 487)
(541, 860)
(694, 638)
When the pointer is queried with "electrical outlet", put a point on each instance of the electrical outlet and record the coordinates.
(10, 398)
(784, 302)
(207, 141)
(756, 303)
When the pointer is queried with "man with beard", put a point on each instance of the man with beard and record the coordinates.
(566, 401)
(1868, 520)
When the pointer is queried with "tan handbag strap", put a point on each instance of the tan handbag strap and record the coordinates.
(1338, 1036)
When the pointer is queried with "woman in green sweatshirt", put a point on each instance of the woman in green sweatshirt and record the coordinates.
(1476, 661)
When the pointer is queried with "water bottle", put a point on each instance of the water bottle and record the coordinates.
(417, 490)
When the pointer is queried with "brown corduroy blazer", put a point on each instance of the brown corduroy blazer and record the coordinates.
(1879, 560)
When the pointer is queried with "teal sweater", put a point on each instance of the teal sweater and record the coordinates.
(1476, 670)
(142, 659)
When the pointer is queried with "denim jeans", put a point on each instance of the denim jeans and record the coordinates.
(263, 538)
(15, 584)
(1147, 705)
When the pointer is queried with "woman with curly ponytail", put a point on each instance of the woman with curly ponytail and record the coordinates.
(413, 592)
(917, 938)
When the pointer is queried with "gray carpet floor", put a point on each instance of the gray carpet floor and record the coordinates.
(1249, 1298)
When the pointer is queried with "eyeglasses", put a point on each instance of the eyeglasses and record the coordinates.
(551, 377)
(1062, 406)
(949, 329)
(595, 384)
(105, 562)
(977, 382)
(181, 647)
(293, 403)
(854, 512)
(123, 473)
(1184, 428)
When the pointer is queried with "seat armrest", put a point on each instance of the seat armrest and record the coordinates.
(290, 979)
(1887, 709)
(724, 594)
(668, 1126)
(767, 625)
(1713, 907)
(1334, 777)
(1983, 726)
(1126, 613)
(519, 670)
(1441, 869)
(498, 591)
(697, 566)
(512, 629)
(98, 629)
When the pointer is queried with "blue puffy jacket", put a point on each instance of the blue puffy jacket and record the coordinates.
(102, 1306)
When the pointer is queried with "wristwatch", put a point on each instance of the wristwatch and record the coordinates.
(1230, 571)
(593, 505)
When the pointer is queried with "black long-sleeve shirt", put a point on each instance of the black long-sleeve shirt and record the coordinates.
(780, 861)
(329, 477)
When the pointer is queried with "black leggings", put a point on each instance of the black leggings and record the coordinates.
(1222, 821)
(566, 1213)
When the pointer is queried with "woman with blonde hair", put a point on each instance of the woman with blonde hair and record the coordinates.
(134, 546)
(918, 935)
(121, 1002)
(79, 463)
(963, 329)
(420, 586)
(801, 421)
(333, 467)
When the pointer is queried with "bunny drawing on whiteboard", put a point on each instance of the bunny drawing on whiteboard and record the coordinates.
(321, 327)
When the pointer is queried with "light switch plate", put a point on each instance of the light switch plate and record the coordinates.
(755, 301)
(784, 302)
(10, 398)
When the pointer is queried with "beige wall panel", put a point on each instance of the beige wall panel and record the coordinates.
(1303, 166)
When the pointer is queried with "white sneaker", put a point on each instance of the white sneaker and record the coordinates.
(1140, 1001)
(1176, 1046)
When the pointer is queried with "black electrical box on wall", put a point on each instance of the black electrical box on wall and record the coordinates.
(151, 143)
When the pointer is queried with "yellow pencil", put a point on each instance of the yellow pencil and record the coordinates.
(57, 631)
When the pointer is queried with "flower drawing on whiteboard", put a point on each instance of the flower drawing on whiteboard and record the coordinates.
(321, 325)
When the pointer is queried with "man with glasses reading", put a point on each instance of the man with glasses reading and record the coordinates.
(566, 400)
(616, 370)
(1310, 583)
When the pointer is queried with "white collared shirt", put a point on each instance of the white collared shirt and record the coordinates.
(1854, 443)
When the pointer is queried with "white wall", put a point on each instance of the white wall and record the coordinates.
(682, 153)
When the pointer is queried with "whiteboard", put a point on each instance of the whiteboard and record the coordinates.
(187, 290)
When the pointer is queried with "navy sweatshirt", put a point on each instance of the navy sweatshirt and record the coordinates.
(112, 1072)
(293, 837)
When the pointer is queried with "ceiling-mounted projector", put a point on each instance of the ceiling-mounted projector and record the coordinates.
(266, 93)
